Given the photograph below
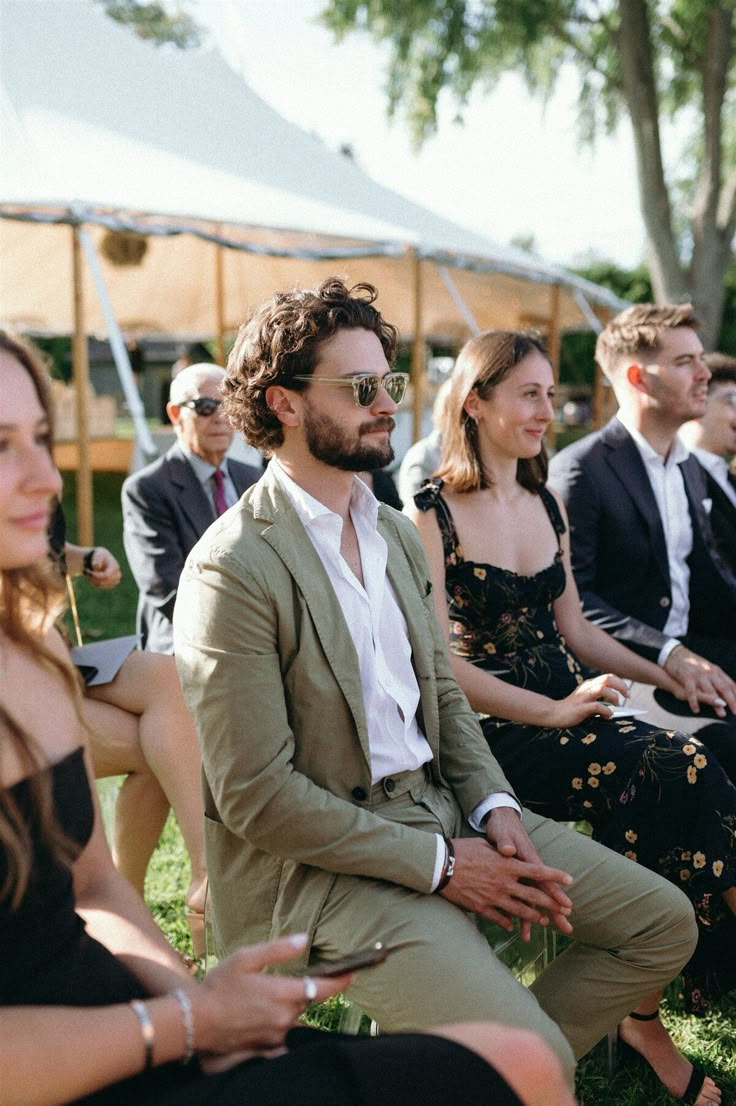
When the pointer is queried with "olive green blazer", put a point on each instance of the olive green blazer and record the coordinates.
(271, 677)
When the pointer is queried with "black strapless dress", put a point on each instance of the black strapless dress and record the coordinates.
(49, 959)
(656, 796)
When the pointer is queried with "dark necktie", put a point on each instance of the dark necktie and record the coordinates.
(220, 502)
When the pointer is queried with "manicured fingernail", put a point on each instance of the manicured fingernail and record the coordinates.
(298, 940)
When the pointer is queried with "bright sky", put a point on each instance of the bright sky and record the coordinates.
(512, 168)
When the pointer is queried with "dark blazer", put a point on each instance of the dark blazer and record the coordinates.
(619, 556)
(165, 513)
(722, 517)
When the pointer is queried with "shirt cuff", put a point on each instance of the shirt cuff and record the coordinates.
(439, 860)
(491, 802)
(667, 648)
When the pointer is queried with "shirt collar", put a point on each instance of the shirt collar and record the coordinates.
(363, 503)
(203, 470)
(716, 465)
(678, 450)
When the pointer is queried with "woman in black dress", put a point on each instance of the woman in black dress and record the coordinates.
(497, 543)
(95, 1007)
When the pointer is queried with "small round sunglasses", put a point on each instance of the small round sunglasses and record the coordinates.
(366, 385)
(202, 405)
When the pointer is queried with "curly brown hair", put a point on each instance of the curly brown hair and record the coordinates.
(482, 363)
(637, 329)
(281, 340)
(30, 597)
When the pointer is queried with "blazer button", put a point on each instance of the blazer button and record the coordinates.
(359, 794)
(664, 601)
(389, 785)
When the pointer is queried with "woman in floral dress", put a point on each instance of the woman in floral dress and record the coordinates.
(497, 544)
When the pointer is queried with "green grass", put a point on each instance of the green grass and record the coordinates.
(102, 614)
(710, 1041)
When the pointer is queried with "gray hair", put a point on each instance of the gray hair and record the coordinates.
(185, 384)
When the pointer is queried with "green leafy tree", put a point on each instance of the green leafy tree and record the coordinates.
(654, 61)
(153, 22)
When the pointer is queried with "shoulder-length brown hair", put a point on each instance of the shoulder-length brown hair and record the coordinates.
(29, 598)
(483, 363)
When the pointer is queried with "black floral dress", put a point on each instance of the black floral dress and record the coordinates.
(657, 796)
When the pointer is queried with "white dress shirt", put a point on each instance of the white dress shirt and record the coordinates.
(668, 485)
(381, 638)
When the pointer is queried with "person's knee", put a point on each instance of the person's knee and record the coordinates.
(677, 920)
(538, 1073)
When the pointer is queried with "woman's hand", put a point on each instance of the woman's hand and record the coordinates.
(585, 701)
(240, 1008)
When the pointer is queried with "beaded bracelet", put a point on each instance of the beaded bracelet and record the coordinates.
(147, 1031)
(187, 1015)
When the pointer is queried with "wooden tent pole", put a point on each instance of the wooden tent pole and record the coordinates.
(600, 392)
(80, 372)
(220, 300)
(553, 346)
(417, 350)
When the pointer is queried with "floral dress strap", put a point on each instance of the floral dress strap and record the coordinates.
(553, 511)
(429, 497)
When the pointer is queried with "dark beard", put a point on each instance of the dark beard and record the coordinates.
(328, 443)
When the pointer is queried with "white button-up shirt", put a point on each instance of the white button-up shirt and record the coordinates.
(381, 638)
(668, 485)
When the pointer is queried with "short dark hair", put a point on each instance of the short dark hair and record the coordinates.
(281, 340)
(722, 369)
(637, 329)
(482, 363)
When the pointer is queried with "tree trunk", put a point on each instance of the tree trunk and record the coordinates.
(634, 42)
(712, 228)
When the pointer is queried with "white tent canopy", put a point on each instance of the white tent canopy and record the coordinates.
(101, 129)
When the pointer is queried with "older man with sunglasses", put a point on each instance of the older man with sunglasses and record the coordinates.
(349, 792)
(168, 505)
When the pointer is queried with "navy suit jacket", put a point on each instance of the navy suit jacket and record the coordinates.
(165, 513)
(619, 555)
(722, 517)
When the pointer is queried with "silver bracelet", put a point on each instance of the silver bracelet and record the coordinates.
(147, 1031)
(187, 1016)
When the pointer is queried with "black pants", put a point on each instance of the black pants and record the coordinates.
(719, 736)
(325, 1069)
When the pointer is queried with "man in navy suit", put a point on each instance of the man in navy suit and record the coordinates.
(169, 504)
(643, 553)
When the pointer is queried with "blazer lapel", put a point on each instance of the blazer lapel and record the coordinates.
(408, 591)
(240, 476)
(191, 497)
(625, 460)
(288, 538)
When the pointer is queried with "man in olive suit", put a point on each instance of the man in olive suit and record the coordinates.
(349, 792)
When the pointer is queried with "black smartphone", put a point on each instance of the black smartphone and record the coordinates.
(364, 958)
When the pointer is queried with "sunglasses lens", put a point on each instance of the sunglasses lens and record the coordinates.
(366, 390)
(205, 406)
(395, 385)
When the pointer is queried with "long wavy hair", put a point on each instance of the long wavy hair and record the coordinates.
(482, 363)
(30, 598)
